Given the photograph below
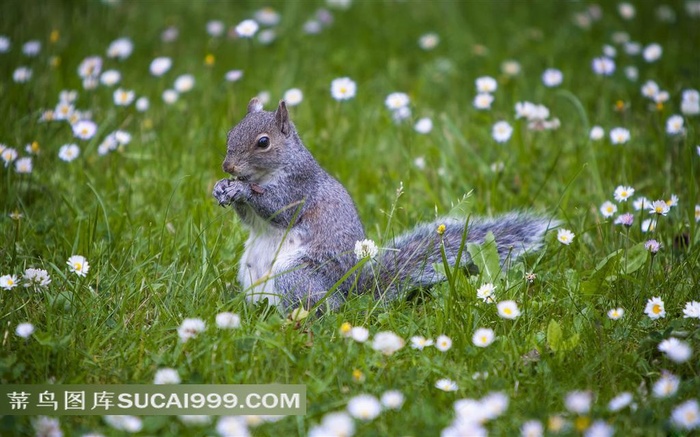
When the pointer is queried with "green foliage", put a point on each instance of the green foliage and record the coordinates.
(160, 250)
(485, 256)
(555, 338)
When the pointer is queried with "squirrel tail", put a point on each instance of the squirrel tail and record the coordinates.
(409, 265)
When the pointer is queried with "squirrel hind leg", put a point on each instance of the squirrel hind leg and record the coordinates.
(305, 287)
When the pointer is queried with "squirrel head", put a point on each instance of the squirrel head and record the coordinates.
(259, 144)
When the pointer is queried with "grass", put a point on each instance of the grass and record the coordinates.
(161, 250)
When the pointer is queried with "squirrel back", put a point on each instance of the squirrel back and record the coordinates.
(304, 225)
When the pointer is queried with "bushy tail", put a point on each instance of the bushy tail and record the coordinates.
(409, 265)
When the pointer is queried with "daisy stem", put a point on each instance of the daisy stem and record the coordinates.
(651, 264)
(450, 281)
(16, 241)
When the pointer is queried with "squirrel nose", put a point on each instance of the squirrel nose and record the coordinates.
(229, 167)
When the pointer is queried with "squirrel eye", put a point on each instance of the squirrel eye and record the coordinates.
(264, 142)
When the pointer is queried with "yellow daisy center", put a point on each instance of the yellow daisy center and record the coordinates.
(581, 423)
(656, 309)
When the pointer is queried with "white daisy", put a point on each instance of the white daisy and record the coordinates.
(619, 135)
(565, 236)
(166, 375)
(692, 310)
(392, 399)
(364, 407)
(215, 28)
(359, 334)
(620, 401)
(84, 129)
(387, 342)
(666, 386)
(674, 125)
(247, 28)
(443, 343)
(227, 320)
(686, 415)
(142, 104)
(655, 308)
(69, 152)
(110, 77)
(608, 209)
(233, 75)
(508, 309)
(483, 101)
(603, 66)
(622, 193)
(483, 337)
(597, 133)
(24, 330)
(123, 97)
(343, 88)
(184, 83)
(652, 52)
(616, 313)
(578, 402)
(396, 101)
(8, 282)
(78, 265)
(293, 96)
(423, 125)
(190, 328)
(486, 84)
(24, 165)
(552, 77)
(486, 292)
(31, 48)
(446, 384)
(676, 350)
(22, 74)
(420, 342)
(429, 41)
(170, 96)
(120, 48)
(159, 66)
(501, 131)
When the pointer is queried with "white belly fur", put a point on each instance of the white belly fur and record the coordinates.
(268, 252)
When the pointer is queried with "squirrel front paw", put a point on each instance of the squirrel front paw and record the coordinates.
(227, 191)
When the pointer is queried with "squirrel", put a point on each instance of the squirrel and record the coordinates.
(303, 225)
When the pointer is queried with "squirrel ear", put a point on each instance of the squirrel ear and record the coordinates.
(255, 105)
(282, 118)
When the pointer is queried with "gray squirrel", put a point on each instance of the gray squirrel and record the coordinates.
(304, 225)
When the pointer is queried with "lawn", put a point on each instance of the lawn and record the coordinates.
(113, 123)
